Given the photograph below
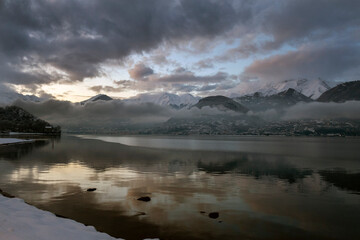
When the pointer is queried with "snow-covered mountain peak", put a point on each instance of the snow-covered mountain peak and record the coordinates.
(310, 88)
(98, 97)
(8, 96)
(164, 99)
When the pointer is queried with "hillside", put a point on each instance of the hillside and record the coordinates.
(165, 99)
(16, 119)
(310, 88)
(341, 93)
(221, 103)
(259, 102)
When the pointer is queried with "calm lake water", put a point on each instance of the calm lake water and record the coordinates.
(262, 187)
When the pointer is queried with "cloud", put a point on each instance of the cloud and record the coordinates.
(96, 114)
(316, 110)
(140, 71)
(271, 26)
(190, 77)
(76, 37)
(293, 22)
(329, 62)
(179, 80)
(203, 64)
(44, 41)
(208, 87)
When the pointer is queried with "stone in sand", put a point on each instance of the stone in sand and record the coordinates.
(144, 199)
(214, 215)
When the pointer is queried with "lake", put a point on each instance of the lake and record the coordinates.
(262, 187)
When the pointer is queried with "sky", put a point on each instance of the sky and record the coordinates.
(75, 49)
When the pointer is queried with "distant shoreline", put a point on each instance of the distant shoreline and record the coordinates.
(5, 141)
(13, 141)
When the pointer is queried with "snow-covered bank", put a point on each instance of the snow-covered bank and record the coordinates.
(4, 141)
(21, 221)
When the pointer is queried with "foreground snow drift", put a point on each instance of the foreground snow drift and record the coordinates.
(20, 221)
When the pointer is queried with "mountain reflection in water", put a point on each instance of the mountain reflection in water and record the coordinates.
(262, 193)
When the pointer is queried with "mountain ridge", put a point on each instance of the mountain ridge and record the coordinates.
(165, 99)
(221, 103)
(260, 102)
(343, 92)
(310, 88)
(102, 97)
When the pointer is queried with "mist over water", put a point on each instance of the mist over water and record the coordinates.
(262, 187)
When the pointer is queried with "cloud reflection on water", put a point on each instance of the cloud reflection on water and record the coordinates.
(256, 194)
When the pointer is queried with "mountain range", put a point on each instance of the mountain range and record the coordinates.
(8, 97)
(293, 92)
(165, 99)
(273, 95)
(310, 88)
(260, 102)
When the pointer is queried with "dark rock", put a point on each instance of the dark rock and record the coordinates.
(91, 189)
(214, 215)
(144, 199)
(202, 212)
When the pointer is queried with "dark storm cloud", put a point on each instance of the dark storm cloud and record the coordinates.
(45, 41)
(77, 36)
(324, 36)
(180, 79)
(324, 33)
(292, 21)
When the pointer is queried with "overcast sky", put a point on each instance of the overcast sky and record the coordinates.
(74, 49)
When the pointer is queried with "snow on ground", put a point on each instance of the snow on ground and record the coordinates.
(20, 221)
(12, 140)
